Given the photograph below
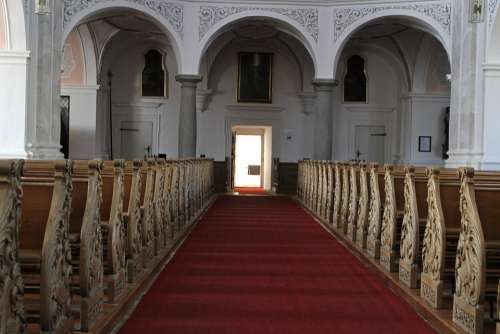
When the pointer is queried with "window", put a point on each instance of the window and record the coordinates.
(153, 75)
(355, 80)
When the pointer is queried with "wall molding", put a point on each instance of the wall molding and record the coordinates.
(308, 18)
(254, 107)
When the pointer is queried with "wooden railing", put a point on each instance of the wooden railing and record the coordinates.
(439, 229)
(79, 239)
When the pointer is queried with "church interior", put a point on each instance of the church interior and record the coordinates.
(279, 166)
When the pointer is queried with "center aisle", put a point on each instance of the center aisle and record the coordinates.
(263, 265)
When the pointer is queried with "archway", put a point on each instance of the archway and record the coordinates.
(104, 59)
(405, 118)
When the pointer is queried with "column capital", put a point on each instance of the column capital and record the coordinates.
(324, 84)
(188, 80)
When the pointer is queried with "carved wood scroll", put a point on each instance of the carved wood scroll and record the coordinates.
(408, 255)
(470, 263)
(344, 208)
(336, 197)
(388, 232)
(12, 316)
(55, 287)
(374, 221)
(434, 243)
(362, 223)
(353, 202)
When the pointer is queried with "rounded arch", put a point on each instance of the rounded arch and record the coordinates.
(15, 24)
(493, 51)
(423, 22)
(291, 27)
(98, 8)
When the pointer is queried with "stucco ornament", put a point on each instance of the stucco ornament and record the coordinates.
(172, 12)
(492, 9)
(306, 17)
(440, 12)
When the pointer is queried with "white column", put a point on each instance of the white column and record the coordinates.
(323, 127)
(187, 115)
(491, 134)
(13, 104)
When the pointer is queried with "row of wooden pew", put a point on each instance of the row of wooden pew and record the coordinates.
(438, 228)
(74, 235)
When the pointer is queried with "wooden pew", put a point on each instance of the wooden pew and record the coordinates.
(114, 230)
(322, 189)
(175, 196)
(363, 205)
(477, 265)
(330, 179)
(169, 219)
(132, 216)
(375, 211)
(160, 207)
(45, 251)
(11, 293)
(441, 235)
(86, 241)
(392, 218)
(345, 195)
(352, 209)
(337, 194)
(147, 212)
(413, 226)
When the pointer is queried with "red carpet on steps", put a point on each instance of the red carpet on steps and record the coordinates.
(250, 191)
(263, 265)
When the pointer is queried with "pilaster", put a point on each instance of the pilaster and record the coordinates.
(187, 115)
(323, 127)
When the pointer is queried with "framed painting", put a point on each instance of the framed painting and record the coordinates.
(424, 144)
(255, 77)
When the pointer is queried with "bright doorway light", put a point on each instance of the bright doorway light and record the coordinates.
(248, 161)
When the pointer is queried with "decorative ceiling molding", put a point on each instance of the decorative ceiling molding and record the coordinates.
(172, 12)
(492, 9)
(439, 12)
(306, 17)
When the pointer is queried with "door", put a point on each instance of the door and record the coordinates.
(248, 161)
(136, 139)
(370, 144)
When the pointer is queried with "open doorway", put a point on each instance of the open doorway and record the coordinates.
(248, 160)
(251, 157)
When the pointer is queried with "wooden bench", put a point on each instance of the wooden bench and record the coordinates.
(174, 198)
(413, 226)
(45, 251)
(160, 207)
(363, 206)
(392, 218)
(11, 293)
(477, 265)
(114, 230)
(330, 179)
(345, 195)
(147, 171)
(132, 216)
(337, 196)
(440, 241)
(375, 210)
(86, 241)
(352, 209)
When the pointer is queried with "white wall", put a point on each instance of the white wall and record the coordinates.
(284, 115)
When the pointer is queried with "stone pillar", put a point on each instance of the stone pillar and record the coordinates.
(323, 119)
(187, 116)
(43, 121)
(466, 110)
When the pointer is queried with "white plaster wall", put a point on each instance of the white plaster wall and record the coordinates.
(125, 60)
(382, 94)
(284, 114)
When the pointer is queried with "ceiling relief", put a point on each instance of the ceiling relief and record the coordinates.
(306, 17)
(439, 12)
(172, 12)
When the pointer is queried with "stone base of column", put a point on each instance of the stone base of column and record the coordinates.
(45, 152)
(464, 159)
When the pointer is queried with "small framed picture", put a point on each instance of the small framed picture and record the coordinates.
(424, 143)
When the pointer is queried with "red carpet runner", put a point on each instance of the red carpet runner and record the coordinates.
(250, 191)
(263, 265)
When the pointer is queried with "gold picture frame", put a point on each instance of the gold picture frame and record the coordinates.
(255, 77)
